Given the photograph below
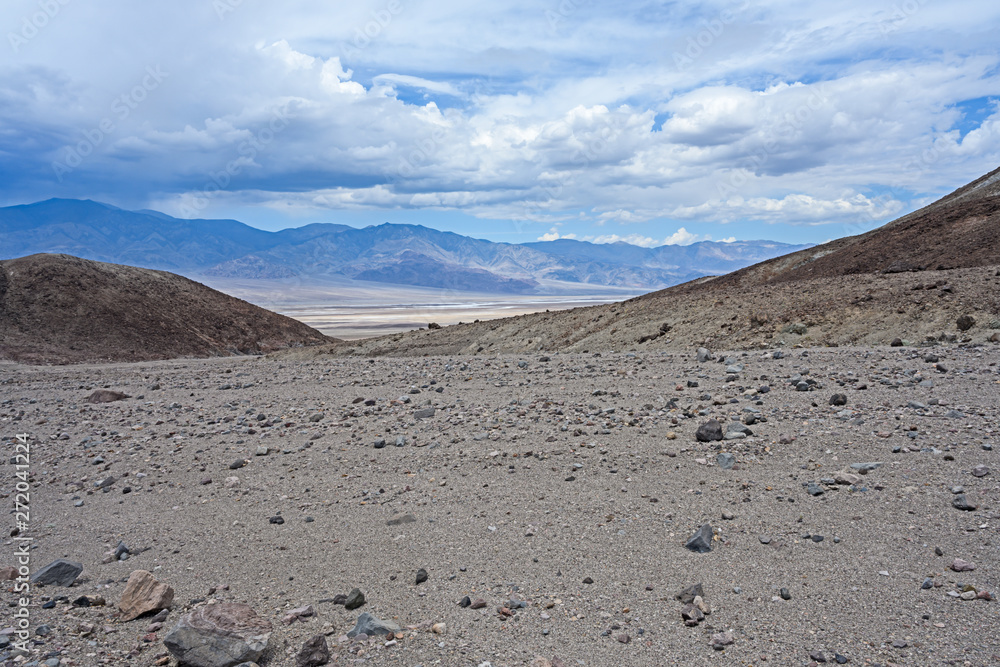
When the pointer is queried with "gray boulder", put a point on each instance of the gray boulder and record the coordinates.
(219, 635)
(709, 431)
(373, 627)
(60, 572)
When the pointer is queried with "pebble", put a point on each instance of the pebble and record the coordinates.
(960, 502)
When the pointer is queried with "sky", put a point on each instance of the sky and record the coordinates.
(648, 122)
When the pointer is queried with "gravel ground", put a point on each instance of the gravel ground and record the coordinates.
(532, 477)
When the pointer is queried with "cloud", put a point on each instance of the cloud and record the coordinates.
(683, 237)
(417, 82)
(786, 114)
(631, 239)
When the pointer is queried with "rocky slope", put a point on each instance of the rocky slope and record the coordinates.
(62, 309)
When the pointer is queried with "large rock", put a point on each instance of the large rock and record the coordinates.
(709, 431)
(219, 635)
(143, 594)
(60, 572)
(106, 396)
(373, 627)
(313, 653)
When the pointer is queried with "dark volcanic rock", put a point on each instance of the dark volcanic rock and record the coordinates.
(965, 322)
(701, 542)
(60, 572)
(354, 599)
(709, 431)
(313, 653)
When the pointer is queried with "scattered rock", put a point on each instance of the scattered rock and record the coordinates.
(960, 502)
(721, 640)
(838, 399)
(143, 594)
(688, 595)
(59, 572)
(219, 635)
(106, 396)
(959, 565)
(965, 322)
(401, 519)
(726, 460)
(421, 576)
(354, 599)
(710, 431)
(373, 627)
(313, 653)
(701, 541)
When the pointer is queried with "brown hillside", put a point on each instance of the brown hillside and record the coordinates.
(961, 230)
(62, 309)
(910, 279)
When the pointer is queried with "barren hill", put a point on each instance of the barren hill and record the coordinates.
(62, 309)
(910, 279)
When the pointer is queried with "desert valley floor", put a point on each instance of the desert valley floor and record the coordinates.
(559, 490)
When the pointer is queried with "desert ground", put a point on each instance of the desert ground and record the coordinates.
(560, 489)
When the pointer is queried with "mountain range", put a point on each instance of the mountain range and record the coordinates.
(932, 275)
(396, 254)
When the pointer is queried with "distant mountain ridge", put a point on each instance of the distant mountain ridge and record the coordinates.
(387, 253)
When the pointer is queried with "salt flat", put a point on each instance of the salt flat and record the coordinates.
(351, 309)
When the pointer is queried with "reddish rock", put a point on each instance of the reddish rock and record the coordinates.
(143, 594)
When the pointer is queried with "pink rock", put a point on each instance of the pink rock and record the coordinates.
(960, 565)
